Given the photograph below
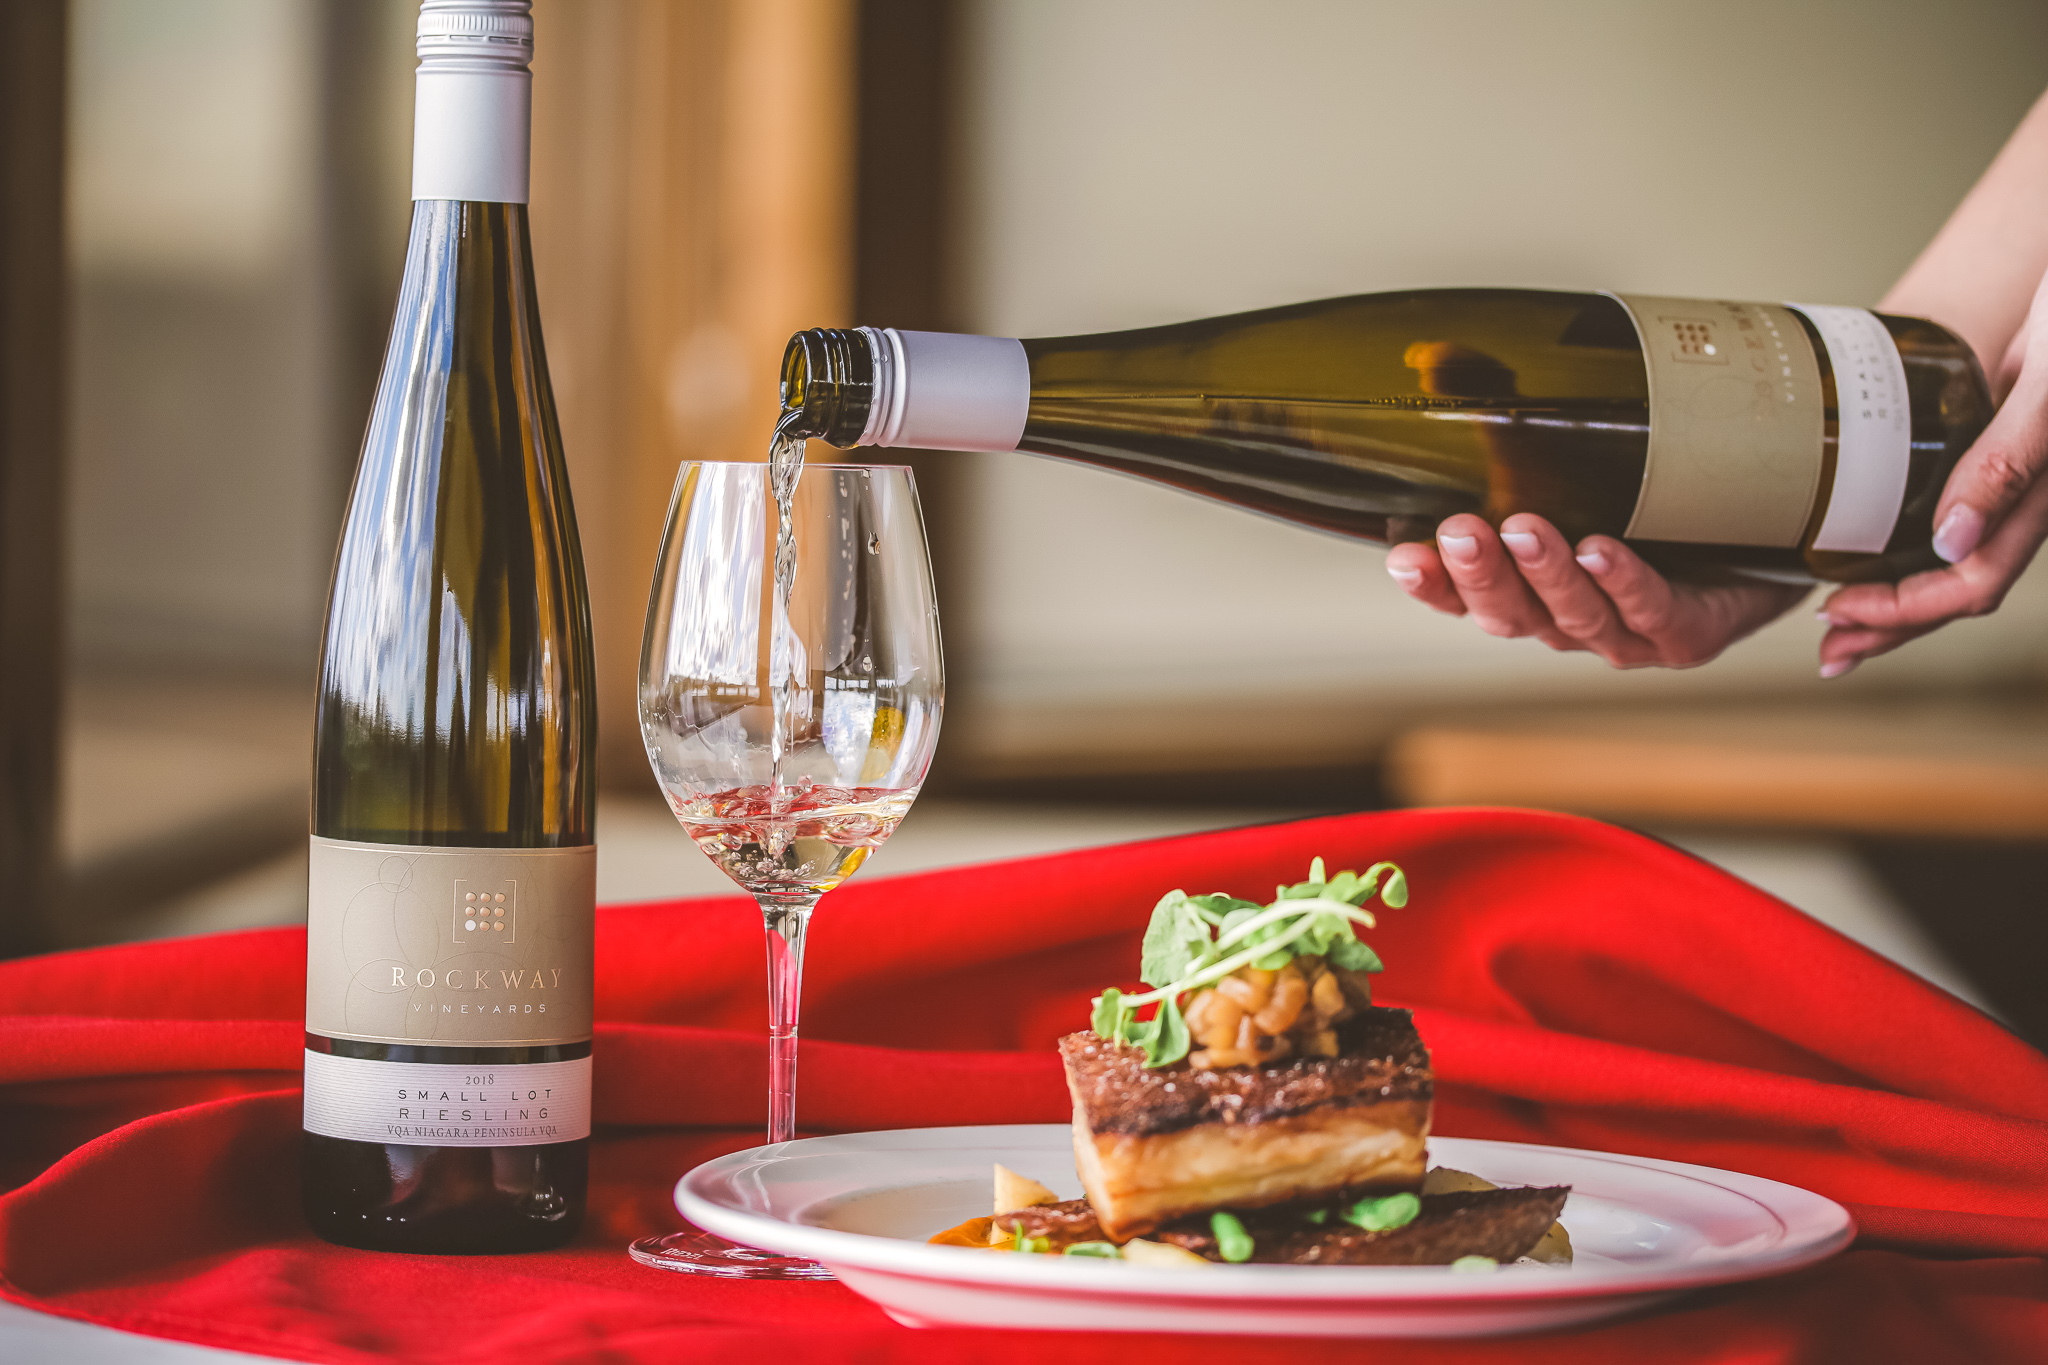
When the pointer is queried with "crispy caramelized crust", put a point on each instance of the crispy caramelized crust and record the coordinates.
(1502, 1224)
(1381, 1058)
(1154, 1145)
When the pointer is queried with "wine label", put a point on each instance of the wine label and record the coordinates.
(1737, 423)
(1874, 429)
(431, 1105)
(457, 947)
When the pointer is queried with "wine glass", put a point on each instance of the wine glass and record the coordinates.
(789, 724)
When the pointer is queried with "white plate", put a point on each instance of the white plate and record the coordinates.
(864, 1203)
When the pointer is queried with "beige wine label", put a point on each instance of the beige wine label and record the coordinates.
(453, 947)
(1737, 423)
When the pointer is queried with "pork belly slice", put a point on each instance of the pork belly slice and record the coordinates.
(1155, 1145)
(1502, 1224)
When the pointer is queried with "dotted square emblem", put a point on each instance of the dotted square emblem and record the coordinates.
(1693, 340)
(486, 912)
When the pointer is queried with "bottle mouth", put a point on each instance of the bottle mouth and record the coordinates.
(476, 35)
(828, 385)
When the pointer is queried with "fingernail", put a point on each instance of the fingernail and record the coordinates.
(1526, 548)
(1838, 667)
(1823, 617)
(1407, 578)
(1464, 549)
(1959, 533)
(1593, 562)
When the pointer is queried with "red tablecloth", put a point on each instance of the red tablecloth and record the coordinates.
(1577, 984)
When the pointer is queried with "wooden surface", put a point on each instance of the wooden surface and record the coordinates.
(692, 170)
(905, 239)
(31, 463)
(1961, 769)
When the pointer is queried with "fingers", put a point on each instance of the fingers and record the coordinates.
(1487, 579)
(1996, 472)
(1844, 647)
(1527, 580)
(1973, 587)
(1643, 599)
(1578, 608)
(1684, 626)
(1419, 570)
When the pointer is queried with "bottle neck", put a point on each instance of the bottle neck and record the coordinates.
(473, 102)
(915, 390)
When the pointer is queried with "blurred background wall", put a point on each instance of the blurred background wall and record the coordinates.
(1144, 161)
(710, 175)
(222, 229)
(237, 207)
(236, 177)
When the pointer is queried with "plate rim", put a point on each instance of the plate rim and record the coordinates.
(1820, 1227)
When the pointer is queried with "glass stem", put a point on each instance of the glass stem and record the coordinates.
(786, 921)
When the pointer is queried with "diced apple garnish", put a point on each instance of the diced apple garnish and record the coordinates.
(1445, 1180)
(1015, 1192)
(1553, 1247)
(1138, 1251)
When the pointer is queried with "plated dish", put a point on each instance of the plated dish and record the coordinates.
(864, 1204)
(1251, 1151)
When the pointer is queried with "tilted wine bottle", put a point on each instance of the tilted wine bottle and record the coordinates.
(1784, 440)
(448, 973)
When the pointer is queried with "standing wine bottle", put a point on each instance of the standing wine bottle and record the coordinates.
(448, 970)
(1787, 441)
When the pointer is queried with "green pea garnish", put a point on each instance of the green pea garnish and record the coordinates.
(1107, 1251)
(1383, 1213)
(1233, 1243)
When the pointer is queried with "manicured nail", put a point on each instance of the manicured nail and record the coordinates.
(1463, 549)
(1823, 617)
(1593, 562)
(1838, 667)
(1410, 579)
(1526, 549)
(1959, 533)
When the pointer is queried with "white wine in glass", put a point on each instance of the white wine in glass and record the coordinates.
(790, 690)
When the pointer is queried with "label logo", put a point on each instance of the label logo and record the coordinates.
(1693, 341)
(486, 912)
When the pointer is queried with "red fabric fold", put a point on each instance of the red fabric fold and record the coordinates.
(1577, 985)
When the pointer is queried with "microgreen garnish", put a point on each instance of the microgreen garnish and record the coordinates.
(1383, 1213)
(1233, 1243)
(1196, 941)
(1164, 1036)
(1022, 1243)
(1317, 1216)
(1106, 1250)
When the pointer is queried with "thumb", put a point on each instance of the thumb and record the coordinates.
(2007, 457)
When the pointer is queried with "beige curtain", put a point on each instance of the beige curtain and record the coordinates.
(691, 190)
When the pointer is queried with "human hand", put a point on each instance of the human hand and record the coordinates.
(1991, 519)
(1600, 597)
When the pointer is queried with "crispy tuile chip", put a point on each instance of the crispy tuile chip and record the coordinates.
(1553, 1248)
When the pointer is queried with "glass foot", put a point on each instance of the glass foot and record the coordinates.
(699, 1253)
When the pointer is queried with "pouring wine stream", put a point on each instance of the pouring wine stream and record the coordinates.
(784, 920)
